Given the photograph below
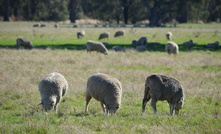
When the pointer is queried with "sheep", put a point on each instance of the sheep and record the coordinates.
(52, 87)
(22, 42)
(142, 41)
(189, 44)
(134, 43)
(119, 33)
(141, 48)
(80, 34)
(118, 49)
(36, 25)
(43, 25)
(104, 35)
(96, 46)
(172, 48)
(107, 90)
(213, 45)
(56, 25)
(161, 87)
(169, 35)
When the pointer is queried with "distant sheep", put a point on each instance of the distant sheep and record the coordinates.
(189, 44)
(160, 87)
(56, 25)
(119, 33)
(118, 49)
(141, 48)
(107, 90)
(43, 25)
(172, 48)
(142, 41)
(134, 43)
(37, 25)
(96, 46)
(52, 87)
(104, 35)
(169, 35)
(213, 45)
(80, 34)
(22, 42)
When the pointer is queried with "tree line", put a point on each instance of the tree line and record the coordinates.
(113, 11)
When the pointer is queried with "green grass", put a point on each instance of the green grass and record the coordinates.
(65, 37)
(198, 71)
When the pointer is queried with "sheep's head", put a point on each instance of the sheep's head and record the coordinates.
(48, 104)
(179, 106)
(111, 109)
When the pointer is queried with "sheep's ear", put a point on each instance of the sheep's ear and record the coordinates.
(40, 103)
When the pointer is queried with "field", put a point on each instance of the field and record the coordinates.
(198, 71)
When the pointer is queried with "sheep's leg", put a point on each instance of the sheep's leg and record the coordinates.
(153, 104)
(172, 109)
(102, 106)
(88, 98)
(145, 100)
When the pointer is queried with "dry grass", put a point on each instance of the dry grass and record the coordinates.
(198, 71)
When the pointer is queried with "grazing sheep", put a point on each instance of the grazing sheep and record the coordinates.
(43, 25)
(141, 48)
(36, 25)
(96, 46)
(107, 90)
(56, 25)
(172, 48)
(160, 87)
(189, 44)
(134, 43)
(213, 45)
(118, 49)
(142, 41)
(22, 42)
(104, 35)
(169, 35)
(106, 44)
(52, 87)
(80, 34)
(119, 33)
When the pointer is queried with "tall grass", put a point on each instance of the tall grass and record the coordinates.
(198, 71)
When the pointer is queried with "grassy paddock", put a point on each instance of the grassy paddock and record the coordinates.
(198, 71)
(65, 36)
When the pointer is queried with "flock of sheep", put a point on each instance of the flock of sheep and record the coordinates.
(140, 45)
(108, 91)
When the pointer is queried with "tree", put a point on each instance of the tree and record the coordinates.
(157, 9)
(6, 10)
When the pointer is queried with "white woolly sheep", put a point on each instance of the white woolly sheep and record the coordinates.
(213, 45)
(189, 44)
(160, 87)
(96, 46)
(172, 48)
(119, 33)
(104, 35)
(52, 87)
(80, 34)
(169, 35)
(22, 42)
(107, 90)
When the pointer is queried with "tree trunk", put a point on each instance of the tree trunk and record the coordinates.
(72, 11)
(6, 10)
(125, 11)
